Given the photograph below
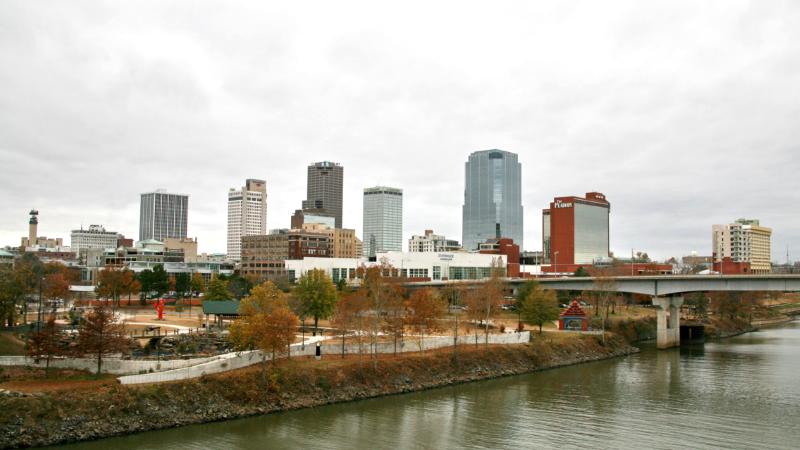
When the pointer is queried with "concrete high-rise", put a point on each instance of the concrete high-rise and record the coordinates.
(744, 241)
(383, 220)
(324, 191)
(163, 215)
(247, 214)
(492, 198)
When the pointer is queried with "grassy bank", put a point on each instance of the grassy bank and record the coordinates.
(107, 409)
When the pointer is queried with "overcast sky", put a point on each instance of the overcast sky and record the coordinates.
(683, 114)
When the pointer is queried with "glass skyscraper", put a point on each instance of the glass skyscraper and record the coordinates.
(383, 220)
(492, 198)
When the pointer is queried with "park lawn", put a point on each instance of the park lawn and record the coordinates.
(34, 379)
(10, 345)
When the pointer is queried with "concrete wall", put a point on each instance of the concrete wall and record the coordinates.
(233, 361)
(110, 365)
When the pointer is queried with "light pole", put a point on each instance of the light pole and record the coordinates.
(555, 262)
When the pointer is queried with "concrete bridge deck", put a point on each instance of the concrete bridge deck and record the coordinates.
(666, 291)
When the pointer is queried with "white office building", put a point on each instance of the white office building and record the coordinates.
(163, 215)
(247, 214)
(95, 236)
(383, 220)
(419, 266)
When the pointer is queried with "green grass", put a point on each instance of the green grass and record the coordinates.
(9, 345)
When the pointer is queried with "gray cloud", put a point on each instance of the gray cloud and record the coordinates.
(683, 114)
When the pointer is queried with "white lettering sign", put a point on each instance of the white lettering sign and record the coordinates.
(560, 204)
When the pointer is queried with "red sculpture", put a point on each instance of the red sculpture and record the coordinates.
(159, 305)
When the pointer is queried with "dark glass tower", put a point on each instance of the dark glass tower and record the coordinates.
(324, 191)
(492, 198)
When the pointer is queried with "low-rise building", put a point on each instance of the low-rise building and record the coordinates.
(187, 245)
(430, 242)
(95, 236)
(206, 269)
(412, 266)
(505, 247)
(6, 259)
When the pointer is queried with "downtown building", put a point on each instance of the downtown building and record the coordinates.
(742, 247)
(492, 198)
(163, 215)
(247, 214)
(417, 266)
(324, 191)
(264, 256)
(95, 236)
(430, 242)
(575, 232)
(383, 220)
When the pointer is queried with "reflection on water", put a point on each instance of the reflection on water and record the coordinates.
(742, 392)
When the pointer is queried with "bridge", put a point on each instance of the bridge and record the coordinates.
(666, 291)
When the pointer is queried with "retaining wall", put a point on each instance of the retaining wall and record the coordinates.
(232, 361)
(110, 365)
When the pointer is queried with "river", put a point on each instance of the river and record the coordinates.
(742, 392)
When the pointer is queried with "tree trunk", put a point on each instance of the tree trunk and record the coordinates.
(316, 323)
(99, 362)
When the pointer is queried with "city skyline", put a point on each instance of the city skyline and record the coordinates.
(665, 109)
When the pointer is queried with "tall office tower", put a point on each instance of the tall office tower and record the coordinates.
(383, 220)
(575, 231)
(163, 215)
(492, 198)
(324, 191)
(743, 241)
(247, 214)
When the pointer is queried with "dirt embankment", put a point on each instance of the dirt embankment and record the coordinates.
(67, 416)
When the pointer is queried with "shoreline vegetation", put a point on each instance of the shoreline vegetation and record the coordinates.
(76, 407)
(65, 416)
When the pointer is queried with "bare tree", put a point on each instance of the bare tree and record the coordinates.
(46, 343)
(427, 310)
(100, 334)
(349, 314)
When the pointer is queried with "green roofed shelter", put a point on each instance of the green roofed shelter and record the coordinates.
(221, 309)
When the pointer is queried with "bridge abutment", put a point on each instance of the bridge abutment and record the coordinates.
(668, 321)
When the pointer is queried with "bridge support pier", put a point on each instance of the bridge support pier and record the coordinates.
(668, 329)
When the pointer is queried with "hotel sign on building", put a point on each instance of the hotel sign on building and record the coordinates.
(575, 231)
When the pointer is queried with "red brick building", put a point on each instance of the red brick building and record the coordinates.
(729, 267)
(503, 246)
(575, 232)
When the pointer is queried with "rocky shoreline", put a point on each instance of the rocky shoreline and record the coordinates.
(64, 417)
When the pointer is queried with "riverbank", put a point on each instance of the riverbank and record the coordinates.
(113, 410)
